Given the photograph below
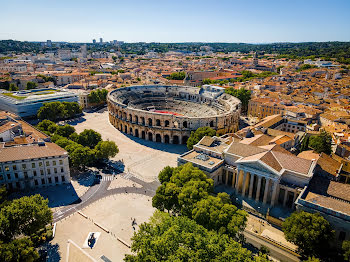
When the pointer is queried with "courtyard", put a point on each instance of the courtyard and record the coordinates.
(144, 159)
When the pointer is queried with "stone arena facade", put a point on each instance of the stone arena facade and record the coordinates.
(168, 114)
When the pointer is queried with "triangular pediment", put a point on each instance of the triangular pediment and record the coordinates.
(259, 167)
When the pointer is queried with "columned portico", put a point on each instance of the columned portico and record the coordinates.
(258, 189)
(266, 191)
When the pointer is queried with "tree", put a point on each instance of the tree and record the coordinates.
(31, 85)
(80, 156)
(106, 150)
(305, 144)
(98, 96)
(167, 238)
(89, 138)
(51, 111)
(71, 109)
(165, 174)
(65, 130)
(310, 232)
(196, 136)
(18, 250)
(321, 143)
(45, 124)
(346, 249)
(218, 213)
(25, 215)
(13, 87)
(186, 186)
(177, 76)
(59, 110)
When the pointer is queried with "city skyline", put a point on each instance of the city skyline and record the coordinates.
(191, 21)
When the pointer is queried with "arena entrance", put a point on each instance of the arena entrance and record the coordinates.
(175, 140)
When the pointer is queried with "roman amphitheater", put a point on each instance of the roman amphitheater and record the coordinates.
(168, 114)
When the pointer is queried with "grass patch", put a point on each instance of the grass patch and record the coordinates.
(14, 96)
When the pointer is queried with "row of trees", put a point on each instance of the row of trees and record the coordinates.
(22, 223)
(177, 76)
(169, 238)
(246, 76)
(85, 149)
(305, 67)
(58, 110)
(98, 97)
(198, 226)
(46, 78)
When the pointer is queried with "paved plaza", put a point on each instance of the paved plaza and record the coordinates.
(142, 158)
(114, 213)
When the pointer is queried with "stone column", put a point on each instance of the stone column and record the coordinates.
(226, 182)
(245, 177)
(294, 198)
(251, 185)
(274, 192)
(258, 188)
(266, 192)
(233, 179)
(285, 197)
(237, 180)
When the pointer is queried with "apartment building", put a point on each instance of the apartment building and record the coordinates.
(28, 159)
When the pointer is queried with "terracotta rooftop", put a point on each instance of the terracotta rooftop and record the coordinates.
(25, 152)
(330, 194)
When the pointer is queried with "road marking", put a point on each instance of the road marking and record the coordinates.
(108, 178)
(128, 176)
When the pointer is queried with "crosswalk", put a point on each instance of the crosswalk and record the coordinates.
(108, 178)
(112, 177)
(128, 176)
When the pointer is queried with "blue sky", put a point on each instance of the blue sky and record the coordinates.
(250, 21)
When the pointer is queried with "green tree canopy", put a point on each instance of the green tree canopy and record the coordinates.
(71, 109)
(13, 87)
(65, 130)
(165, 174)
(218, 213)
(89, 138)
(80, 156)
(45, 124)
(31, 85)
(198, 135)
(58, 110)
(346, 249)
(310, 232)
(167, 238)
(18, 250)
(98, 96)
(25, 215)
(321, 143)
(186, 186)
(106, 150)
(51, 111)
(177, 76)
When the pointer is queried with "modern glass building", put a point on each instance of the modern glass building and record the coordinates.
(26, 103)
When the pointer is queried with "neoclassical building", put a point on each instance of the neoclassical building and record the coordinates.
(168, 114)
(268, 174)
